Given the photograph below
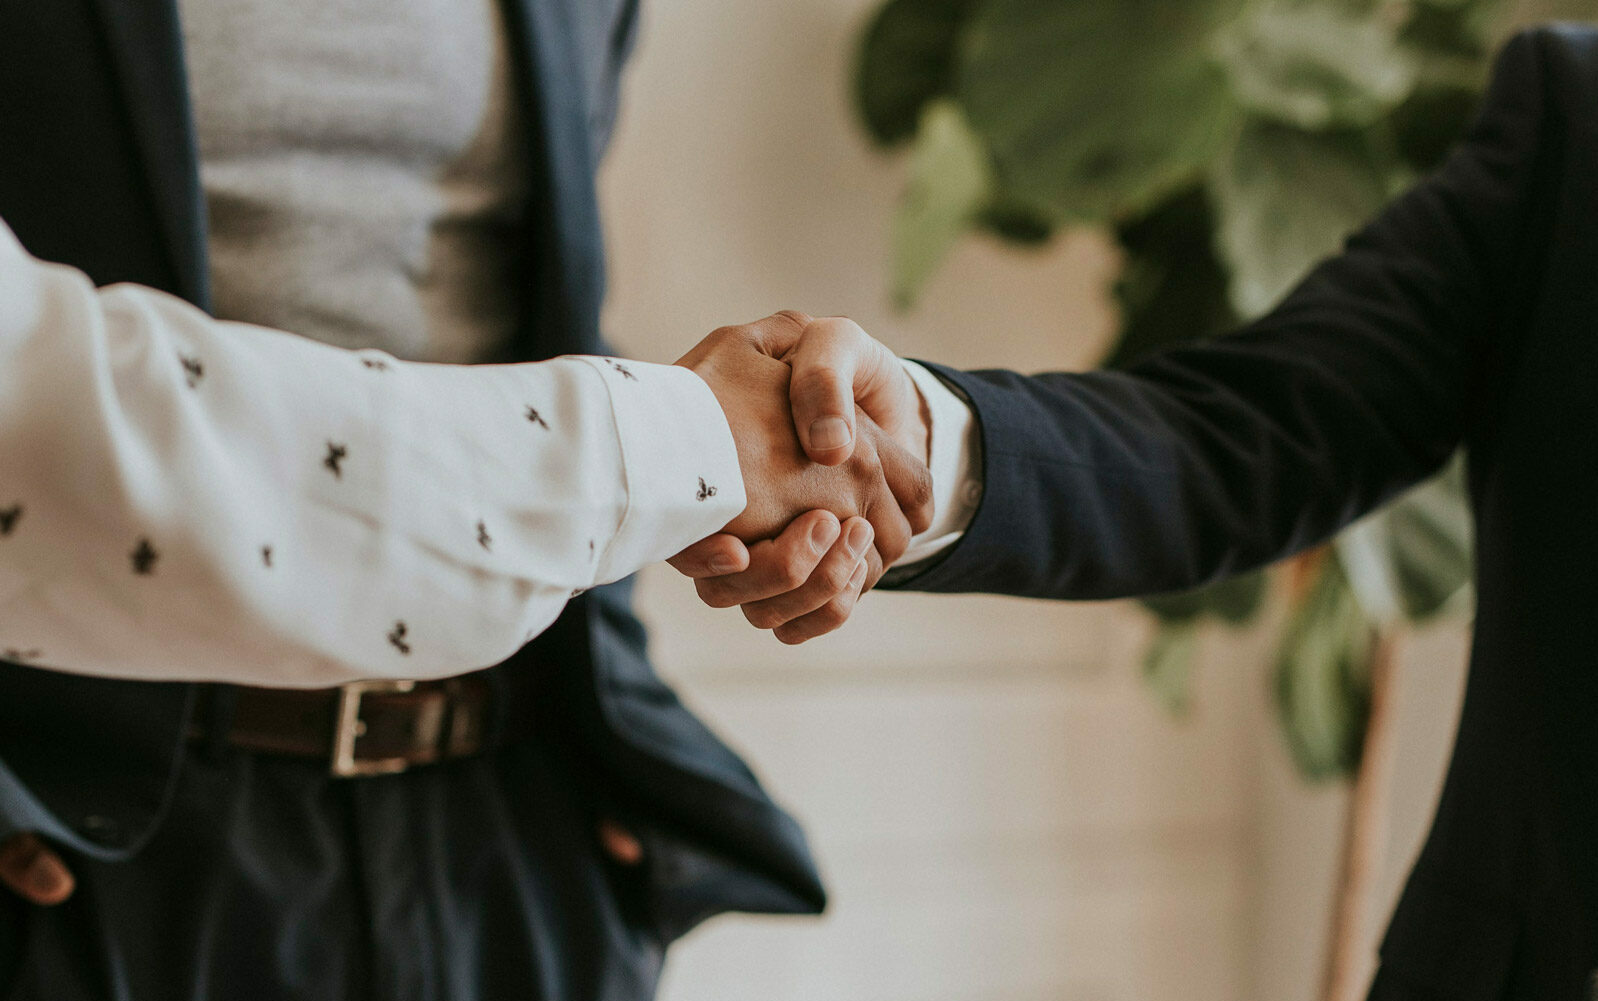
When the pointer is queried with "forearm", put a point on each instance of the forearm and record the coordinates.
(1217, 457)
(189, 499)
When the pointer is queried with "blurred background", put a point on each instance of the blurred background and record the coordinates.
(1016, 800)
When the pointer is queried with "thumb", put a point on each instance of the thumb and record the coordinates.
(834, 364)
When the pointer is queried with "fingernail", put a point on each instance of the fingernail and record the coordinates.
(859, 537)
(829, 432)
(823, 534)
(723, 564)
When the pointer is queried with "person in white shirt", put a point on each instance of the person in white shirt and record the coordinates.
(259, 486)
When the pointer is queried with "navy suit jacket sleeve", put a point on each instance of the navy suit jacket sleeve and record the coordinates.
(1222, 456)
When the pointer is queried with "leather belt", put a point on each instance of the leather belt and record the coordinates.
(361, 729)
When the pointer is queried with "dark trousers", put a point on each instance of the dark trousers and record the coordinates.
(476, 880)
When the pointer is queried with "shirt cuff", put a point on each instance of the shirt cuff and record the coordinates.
(956, 473)
(683, 481)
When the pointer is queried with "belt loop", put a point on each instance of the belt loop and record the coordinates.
(445, 744)
(216, 705)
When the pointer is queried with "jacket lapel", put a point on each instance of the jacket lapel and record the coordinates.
(146, 46)
(568, 275)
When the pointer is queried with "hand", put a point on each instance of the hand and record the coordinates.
(838, 369)
(620, 844)
(878, 480)
(795, 584)
(33, 872)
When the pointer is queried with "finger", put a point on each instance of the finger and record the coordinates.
(822, 391)
(910, 481)
(832, 577)
(830, 616)
(892, 528)
(774, 335)
(34, 872)
(775, 565)
(837, 367)
(713, 557)
(619, 843)
(778, 333)
(875, 568)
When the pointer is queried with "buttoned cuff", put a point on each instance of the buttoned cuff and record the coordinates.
(683, 481)
(956, 472)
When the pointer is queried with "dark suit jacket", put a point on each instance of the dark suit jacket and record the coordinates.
(1466, 314)
(98, 170)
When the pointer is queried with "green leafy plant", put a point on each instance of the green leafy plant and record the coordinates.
(1227, 145)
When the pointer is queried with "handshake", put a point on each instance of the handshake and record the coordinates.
(832, 436)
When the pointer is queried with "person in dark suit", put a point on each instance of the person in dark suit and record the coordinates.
(406, 183)
(1464, 316)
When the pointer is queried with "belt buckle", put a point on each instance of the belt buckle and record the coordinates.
(350, 728)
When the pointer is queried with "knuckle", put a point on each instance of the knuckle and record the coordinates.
(837, 611)
(817, 375)
(726, 336)
(837, 577)
(715, 593)
(793, 572)
(793, 316)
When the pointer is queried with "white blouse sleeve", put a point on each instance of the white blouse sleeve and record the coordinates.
(187, 499)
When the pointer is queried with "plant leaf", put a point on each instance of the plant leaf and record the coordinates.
(906, 60)
(1412, 560)
(1315, 65)
(1428, 124)
(1168, 665)
(1016, 223)
(950, 182)
(1286, 199)
(1234, 601)
(1323, 677)
(1431, 539)
(1096, 109)
(1172, 287)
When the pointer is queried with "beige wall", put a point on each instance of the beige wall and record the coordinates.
(1001, 810)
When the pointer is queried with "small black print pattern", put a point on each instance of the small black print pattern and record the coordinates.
(336, 454)
(625, 372)
(9, 518)
(144, 558)
(705, 491)
(483, 538)
(376, 364)
(266, 556)
(396, 636)
(193, 371)
(534, 417)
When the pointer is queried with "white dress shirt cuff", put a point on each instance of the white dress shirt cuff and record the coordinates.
(680, 462)
(956, 471)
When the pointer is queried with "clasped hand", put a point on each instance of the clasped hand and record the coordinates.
(832, 435)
